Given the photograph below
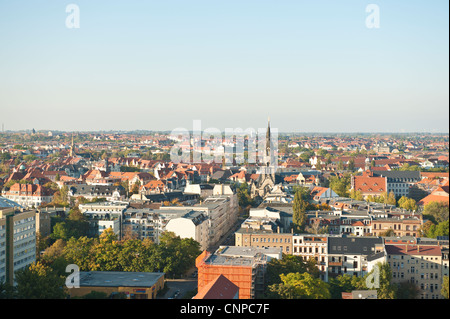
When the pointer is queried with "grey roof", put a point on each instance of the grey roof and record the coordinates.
(222, 174)
(7, 203)
(353, 245)
(118, 279)
(398, 174)
(96, 190)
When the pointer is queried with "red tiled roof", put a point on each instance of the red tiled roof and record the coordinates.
(433, 198)
(375, 185)
(219, 288)
(413, 250)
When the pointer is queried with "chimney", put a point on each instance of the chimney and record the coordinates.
(278, 229)
(418, 248)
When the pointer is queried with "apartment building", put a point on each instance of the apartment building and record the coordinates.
(399, 182)
(401, 227)
(29, 195)
(312, 247)
(222, 213)
(417, 264)
(145, 223)
(104, 215)
(353, 255)
(193, 224)
(262, 238)
(17, 241)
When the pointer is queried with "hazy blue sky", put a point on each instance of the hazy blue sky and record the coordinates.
(158, 65)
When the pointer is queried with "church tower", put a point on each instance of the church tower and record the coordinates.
(72, 148)
(266, 180)
(268, 144)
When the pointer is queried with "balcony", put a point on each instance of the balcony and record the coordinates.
(335, 263)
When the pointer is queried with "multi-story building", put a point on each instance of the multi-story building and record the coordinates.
(353, 255)
(111, 193)
(417, 264)
(29, 195)
(401, 227)
(104, 215)
(243, 266)
(399, 182)
(193, 224)
(262, 238)
(222, 213)
(312, 247)
(17, 241)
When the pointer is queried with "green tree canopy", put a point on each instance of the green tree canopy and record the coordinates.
(39, 282)
(300, 286)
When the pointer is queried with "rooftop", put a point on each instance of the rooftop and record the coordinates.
(6, 203)
(119, 279)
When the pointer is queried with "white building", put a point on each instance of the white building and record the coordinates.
(193, 225)
(17, 241)
(103, 215)
(312, 247)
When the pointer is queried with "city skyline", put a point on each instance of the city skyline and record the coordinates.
(157, 66)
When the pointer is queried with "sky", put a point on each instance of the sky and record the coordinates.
(312, 66)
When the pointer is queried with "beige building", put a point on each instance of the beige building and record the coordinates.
(262, 238)
(401, 227)
(417, 264)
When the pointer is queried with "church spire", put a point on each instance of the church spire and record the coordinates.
(268, 138)
(72, 148)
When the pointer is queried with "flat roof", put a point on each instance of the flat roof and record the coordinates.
(119, 278)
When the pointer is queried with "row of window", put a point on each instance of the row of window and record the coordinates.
(267, 240)
(426, 276)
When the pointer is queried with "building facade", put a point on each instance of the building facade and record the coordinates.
(417, 264)
(17, 241)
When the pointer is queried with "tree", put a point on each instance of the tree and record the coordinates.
(351, 165)
(340, 165)
(386, 289)
(80, 251)
(345, 283)
(299, 212)
(438, 210)
(39, 282)
(244, 198)
(341, 185)
(289, 264)
(407, 203)
(300, 286)
(441, 229)
(444, 290)
(407, 290)
(390, 199)
(356, 195)
(7, 291)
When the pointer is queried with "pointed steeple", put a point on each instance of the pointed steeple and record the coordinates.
(268, 138)
(72, 146)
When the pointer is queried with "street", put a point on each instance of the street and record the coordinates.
(182, 286)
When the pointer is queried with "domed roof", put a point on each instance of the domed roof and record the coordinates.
(6, 203)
